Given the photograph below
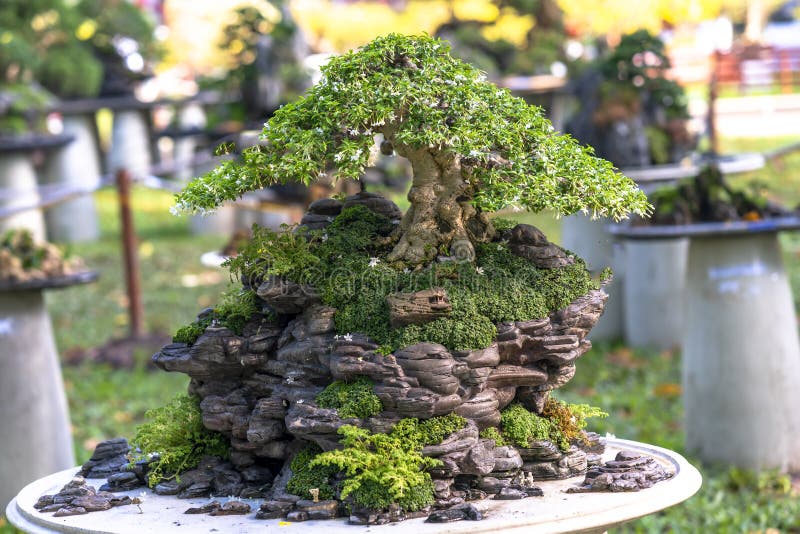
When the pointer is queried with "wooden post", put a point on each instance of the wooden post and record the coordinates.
(785, 71)
(130, 256)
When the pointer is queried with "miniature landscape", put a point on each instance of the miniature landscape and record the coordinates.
(390, 363)
(391, 356)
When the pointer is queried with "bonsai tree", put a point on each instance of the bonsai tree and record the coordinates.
(631, 112)
(473, 148)
(266, 57)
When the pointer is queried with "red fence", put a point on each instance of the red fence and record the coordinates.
(744, 68)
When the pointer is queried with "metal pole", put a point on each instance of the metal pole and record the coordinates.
(130, 257)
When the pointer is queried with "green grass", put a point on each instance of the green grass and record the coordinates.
(639, 389)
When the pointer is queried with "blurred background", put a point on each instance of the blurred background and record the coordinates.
(113, 104)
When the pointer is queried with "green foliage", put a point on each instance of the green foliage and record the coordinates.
(559, 422)
(24, 111)
(381, 469)
(570, 419)
(71, 71)
(429, 431)
(21, 245)
(58, 43)
(353, 399)
(235, 308)
(344, 265)
(638, 64)
(274, 253)
(411, 89)
(189, 333)
(521, 427)
(306, 477)
(175, 433)
(493, 433)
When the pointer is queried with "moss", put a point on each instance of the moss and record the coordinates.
(351, 399)
(559, 422)
(305, 477)
(341, 263)
(380, 469)
(188, 334)
(570, 418)
(233, 312)
(175, 433)
(521, 427)
(494, 434)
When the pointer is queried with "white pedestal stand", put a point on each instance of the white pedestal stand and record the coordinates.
(589, 239)
(18, 190)
(741, 355)
(35, 437)
(76, 165)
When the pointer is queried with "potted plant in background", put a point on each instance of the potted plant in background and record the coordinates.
(637, 118)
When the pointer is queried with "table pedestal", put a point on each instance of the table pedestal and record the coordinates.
(76, 164)
(18, 188)
(654, 283)
(130, 143)
(741, 359)
(589, 239)
(556, 511)
(34, 424)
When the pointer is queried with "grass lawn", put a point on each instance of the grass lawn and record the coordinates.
(640, 389)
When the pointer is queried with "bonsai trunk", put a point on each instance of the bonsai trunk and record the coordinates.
(441, 218)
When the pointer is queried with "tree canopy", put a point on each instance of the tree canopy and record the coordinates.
(411, 90)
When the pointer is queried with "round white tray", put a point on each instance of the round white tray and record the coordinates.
(557, 511)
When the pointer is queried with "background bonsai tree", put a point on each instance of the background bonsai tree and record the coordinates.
(473, 148)
(631, 113)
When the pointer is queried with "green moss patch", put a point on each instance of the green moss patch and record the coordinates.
(175, 433)
(233, 312)
(559, 422)
(305, 477)
(378, 469)
(351, 399)
(346, 263)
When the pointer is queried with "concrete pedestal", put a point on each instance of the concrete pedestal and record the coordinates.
(589, 239)
(655, 272)
(18, 189)
(34, 424)
(555, 512)
(221, 221)
(190, 117)
(130, 142)
(76, 165)
(741, 358)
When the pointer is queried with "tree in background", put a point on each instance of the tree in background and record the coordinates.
(543, 43)
(266, 55)
(630, 112)
(61, 45)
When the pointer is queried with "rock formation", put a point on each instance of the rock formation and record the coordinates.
(259, 388)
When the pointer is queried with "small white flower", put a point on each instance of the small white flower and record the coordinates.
(300, 401)
(406, 270)
(290, 380)
(324, 237)
(479, 270)
(348, 337)
(373, 262)
(499, 247)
